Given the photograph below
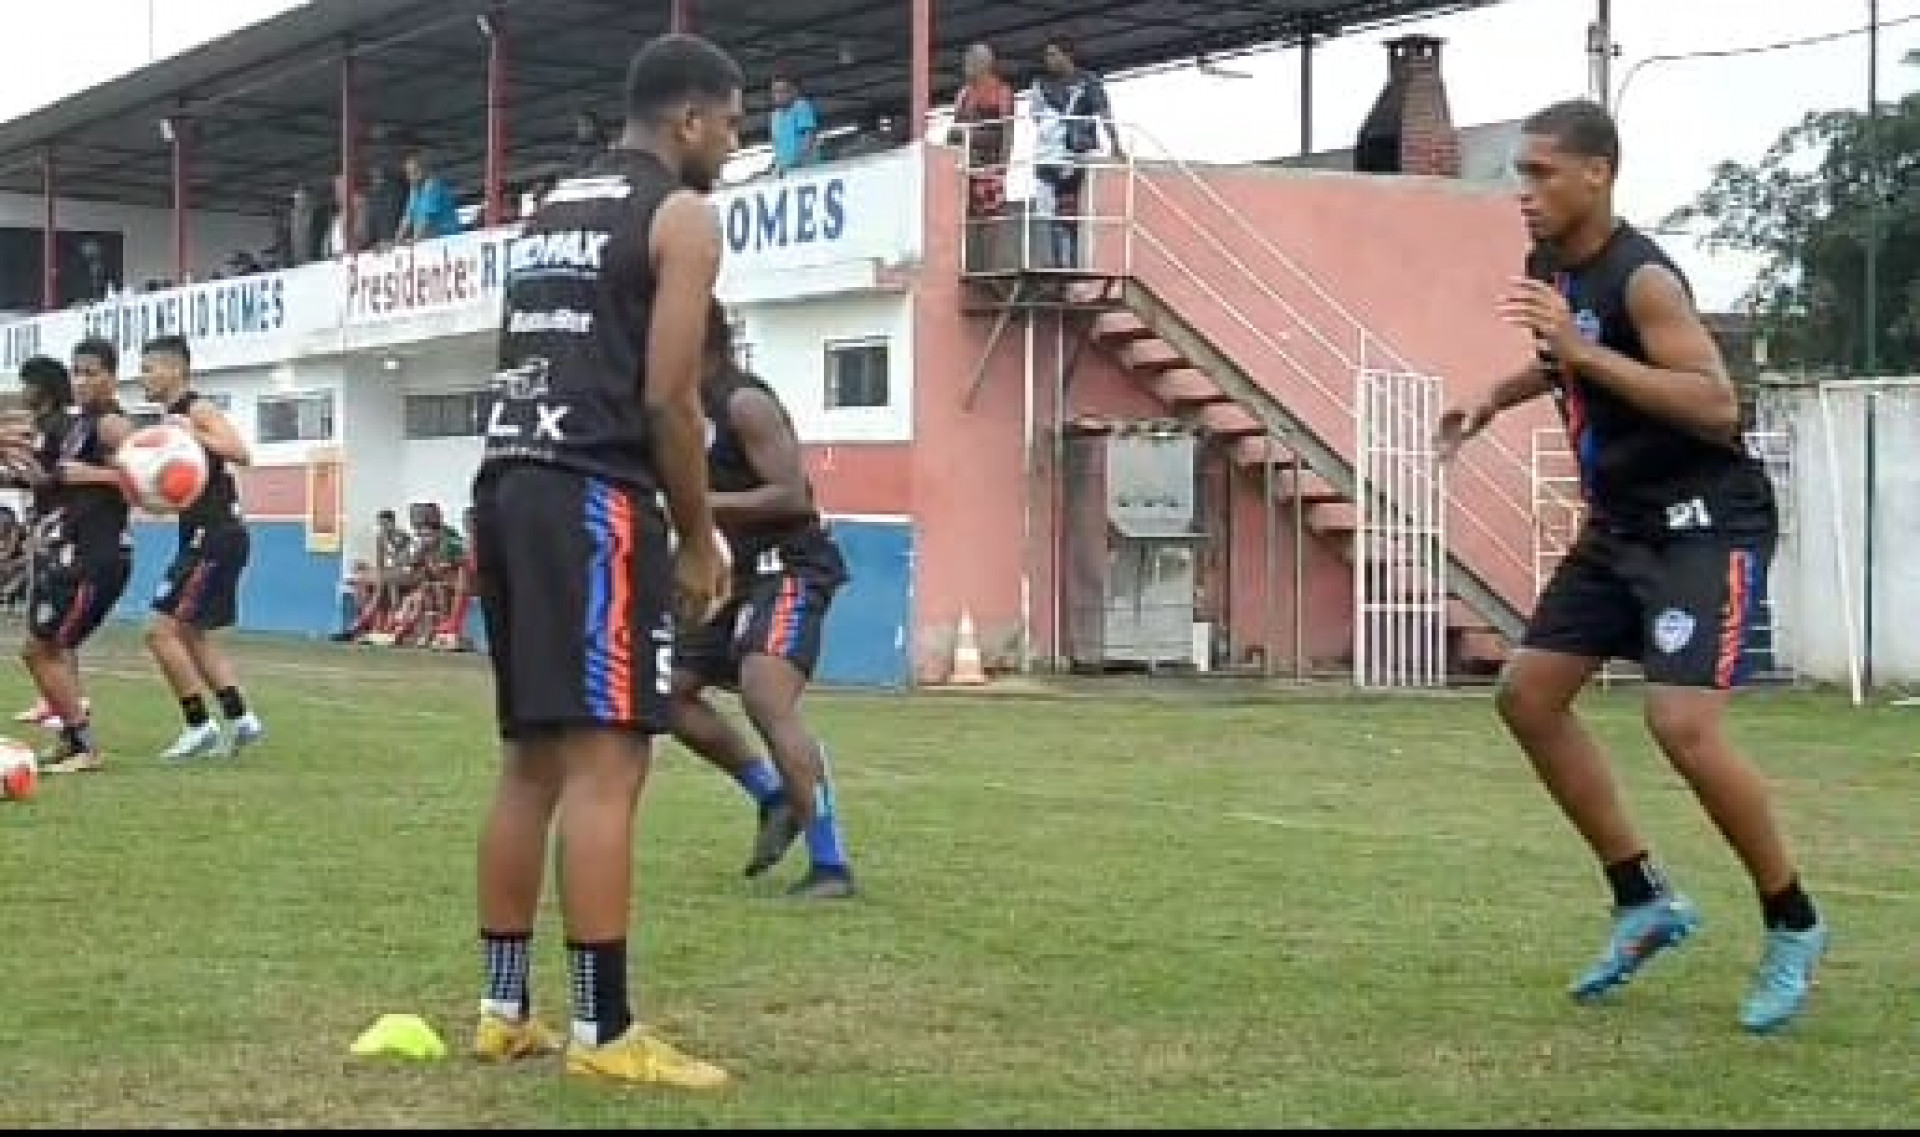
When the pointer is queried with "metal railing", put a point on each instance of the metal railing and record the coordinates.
(1487, 483)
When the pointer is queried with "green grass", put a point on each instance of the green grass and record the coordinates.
(1134, 911)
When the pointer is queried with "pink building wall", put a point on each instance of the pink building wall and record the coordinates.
(1416, 262)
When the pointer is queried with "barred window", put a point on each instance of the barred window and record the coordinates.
(294, 418)
(857, 374)
(451, 414)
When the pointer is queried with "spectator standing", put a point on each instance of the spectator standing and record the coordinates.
(339, 242)
(795, 127)
(431, 211)
(386, 204)
(306, 228)
(1069, 105)
(983, 123)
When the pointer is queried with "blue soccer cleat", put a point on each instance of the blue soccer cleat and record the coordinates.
(1785, 978)
(1639, 934)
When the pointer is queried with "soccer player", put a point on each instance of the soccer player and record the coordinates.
(1666, 571)
(594, 413)
(82, 554)
(765, 641)
(201, 592)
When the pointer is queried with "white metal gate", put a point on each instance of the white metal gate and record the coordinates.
(1770, 646)
(1400, 537)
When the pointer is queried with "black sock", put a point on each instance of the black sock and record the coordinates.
(1790, 908)
(193, 708)
(232, 706)
(508, 957)
(78, 737)
(1635, 881)
(600, 1008)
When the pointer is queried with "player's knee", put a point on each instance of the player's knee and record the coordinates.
(1524, 706)
(1685, 724)
(163, 632)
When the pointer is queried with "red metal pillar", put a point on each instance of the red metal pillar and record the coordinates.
(922, 67)
(680, 17)
(349, 154)
(50, 235)
(496, 162)
(177, 128)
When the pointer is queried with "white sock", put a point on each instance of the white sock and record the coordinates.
(500, 1009)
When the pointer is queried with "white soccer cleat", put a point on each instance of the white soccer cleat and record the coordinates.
(195, 742)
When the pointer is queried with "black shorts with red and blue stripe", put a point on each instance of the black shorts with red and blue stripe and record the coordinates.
(575, 581)
(781, 614)
(73, 590)
(201, 588)
(1682, 606)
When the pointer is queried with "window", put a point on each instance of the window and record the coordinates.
(857, 374)
(453, 414)
(293, 418)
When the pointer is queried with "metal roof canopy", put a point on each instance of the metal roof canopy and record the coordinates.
(265, 101)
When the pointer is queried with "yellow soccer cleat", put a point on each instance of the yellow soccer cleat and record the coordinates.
(642, 1059)
(499, 1039)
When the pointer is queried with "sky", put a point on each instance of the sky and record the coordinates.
(1678, 119)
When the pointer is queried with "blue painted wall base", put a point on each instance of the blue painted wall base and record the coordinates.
(292, 591)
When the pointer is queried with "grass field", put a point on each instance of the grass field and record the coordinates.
(1088, 912)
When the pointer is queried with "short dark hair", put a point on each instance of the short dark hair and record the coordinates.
(50, 376)
(1580, 127)
(99, 348)
(169, 345)
(675, 69)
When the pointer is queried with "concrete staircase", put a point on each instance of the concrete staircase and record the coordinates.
(1199, 382)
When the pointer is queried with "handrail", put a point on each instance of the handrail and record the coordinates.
(1133, 229)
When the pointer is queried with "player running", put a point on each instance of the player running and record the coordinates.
(765, 642)
(1667, 568)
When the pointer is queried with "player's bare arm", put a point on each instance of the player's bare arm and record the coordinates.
(214, 432)
(1461, 423)
(774, 452)
(1686, 381)
(112, 430)
(686, 263)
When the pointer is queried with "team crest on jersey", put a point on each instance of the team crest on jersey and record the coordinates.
(1587, 324)
(1672, 630)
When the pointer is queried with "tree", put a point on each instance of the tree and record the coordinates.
(1803, 207)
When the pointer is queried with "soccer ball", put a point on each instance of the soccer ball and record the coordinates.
(19, 771)
(163, 468)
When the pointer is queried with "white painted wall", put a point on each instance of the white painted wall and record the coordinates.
(147, 233)
(789, 342)
(1819, 576)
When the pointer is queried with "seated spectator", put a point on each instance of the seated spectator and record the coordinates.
(378, 591)
(431, 208)
(432, 575)
(452, 634)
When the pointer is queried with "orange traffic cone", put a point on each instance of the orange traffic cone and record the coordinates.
(967, 669)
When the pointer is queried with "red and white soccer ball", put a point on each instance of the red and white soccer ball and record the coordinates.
(163, 468)
(19, 771)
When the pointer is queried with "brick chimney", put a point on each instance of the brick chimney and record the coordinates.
(1428, 142)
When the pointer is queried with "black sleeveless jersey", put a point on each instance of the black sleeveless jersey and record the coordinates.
(573, 345)
(91, 518)
(218, 506)
(1643, 475)
(799, 542)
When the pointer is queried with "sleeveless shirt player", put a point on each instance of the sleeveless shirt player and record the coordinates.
(91, 519)
(1643, 475)
(799, 544)
(217, 510)
(573, 345)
